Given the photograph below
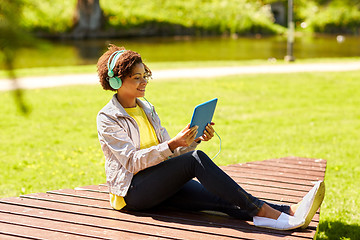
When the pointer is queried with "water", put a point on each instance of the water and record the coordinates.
(65, 53)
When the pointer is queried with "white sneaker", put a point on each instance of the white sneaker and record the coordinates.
(311, 203)
(284, 222)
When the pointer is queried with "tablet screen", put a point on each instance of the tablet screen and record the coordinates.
(202, 116)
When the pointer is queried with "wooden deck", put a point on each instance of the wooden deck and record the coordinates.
(85, 213)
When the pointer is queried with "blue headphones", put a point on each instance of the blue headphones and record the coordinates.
(114, 81)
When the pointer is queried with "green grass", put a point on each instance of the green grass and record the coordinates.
(81, 69)
(258, 117)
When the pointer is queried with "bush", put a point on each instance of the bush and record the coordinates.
(159, 17)
(48, 16)
(219, 16)
(215, 16)
(335, 17)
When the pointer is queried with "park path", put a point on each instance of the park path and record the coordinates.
(195, 73)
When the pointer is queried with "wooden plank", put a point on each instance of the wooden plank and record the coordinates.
(267, 184)
(67, 199)
(289, 168)
(284, 167)
(20, 218)
(88, 226)
(300, 163)
(4, 236)
(198, 226)
(295, 184)
(275, 170)
(300, 160)
(34, 232)
(102, 188)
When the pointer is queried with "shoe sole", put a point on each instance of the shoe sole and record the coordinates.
(283, 229)
(319, 197)
(278, 228)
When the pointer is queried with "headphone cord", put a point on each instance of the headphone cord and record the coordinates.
(219, 145)
(152, 110)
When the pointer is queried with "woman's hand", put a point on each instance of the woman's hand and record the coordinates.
(208, 133)
(183, 138)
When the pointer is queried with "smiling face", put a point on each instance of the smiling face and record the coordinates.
(133, 86)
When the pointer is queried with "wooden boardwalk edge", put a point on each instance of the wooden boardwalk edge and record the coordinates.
(85, 213)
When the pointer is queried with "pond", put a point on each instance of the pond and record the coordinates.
(81, 52)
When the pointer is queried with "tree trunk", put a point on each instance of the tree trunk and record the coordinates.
(88, 18)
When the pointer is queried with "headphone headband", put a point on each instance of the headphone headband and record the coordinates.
(115, 82)
(113, 59)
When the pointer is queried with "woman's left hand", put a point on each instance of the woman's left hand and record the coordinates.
(208, 133)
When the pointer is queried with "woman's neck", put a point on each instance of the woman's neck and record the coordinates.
(126, 102)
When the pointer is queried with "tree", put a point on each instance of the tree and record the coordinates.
(88, 18)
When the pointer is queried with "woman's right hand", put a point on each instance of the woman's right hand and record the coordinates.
(184, 138)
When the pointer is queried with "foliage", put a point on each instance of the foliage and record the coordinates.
(324, 16)
(345, 2)
(231, 16)
(258, 117)
(49, 16)
(236, 16)
(196, 16)
(336, 18)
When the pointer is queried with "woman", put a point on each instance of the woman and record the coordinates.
(146, 168)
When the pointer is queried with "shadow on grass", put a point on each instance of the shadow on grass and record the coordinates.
(337, 230)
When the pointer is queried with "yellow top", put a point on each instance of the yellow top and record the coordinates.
(147, 139)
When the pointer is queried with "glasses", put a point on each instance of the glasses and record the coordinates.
(139, 78)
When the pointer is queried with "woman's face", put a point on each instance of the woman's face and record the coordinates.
(133, 86)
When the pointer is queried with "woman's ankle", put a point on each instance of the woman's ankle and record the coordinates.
(268, 212)
(293, 209)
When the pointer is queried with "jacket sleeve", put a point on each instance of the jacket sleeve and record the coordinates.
(181, 150)
(116, 144)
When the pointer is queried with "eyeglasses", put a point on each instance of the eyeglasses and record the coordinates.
(139, 78)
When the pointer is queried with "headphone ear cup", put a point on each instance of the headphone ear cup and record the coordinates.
(115, 82)
(110, 73)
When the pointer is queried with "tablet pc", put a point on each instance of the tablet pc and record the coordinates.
(202, 116)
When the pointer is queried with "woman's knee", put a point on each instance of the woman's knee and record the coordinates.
(193, 158)
(200, 153)
(200, 156)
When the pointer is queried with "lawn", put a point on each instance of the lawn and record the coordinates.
(258, 117)
(81, 69)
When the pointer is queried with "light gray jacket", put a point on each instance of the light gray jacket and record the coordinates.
(119, 138)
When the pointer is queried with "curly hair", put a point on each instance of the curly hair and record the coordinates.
(123, 66)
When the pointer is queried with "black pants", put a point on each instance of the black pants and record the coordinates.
(171, 183)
